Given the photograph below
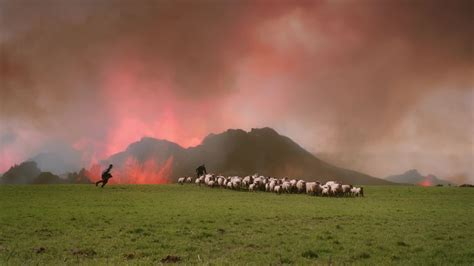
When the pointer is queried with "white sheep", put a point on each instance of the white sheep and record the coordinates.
(272, 185)
(336, 189)
(286, 187)
(310, 186)
(181, 180)
(189, 179)
(357, 191)
(325, 190)
(277, 189)
(220, 181)
(247, 180)
(208, 178)
(251, 187)
(300, 186)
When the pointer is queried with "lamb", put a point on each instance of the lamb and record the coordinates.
(189, 180)
(357, 191)
(198, 181)
(252, 187)
(181, 180)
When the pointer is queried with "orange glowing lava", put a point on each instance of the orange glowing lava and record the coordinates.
(427, 182)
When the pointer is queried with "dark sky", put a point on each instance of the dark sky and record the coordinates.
(377, 86)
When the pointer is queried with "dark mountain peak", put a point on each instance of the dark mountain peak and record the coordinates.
(146, 148)
(229, 133)
(239, 134)
(23, 173)
(149, 143)
(265, 131)
(153, 141)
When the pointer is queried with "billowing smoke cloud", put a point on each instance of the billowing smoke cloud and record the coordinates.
(380, 87)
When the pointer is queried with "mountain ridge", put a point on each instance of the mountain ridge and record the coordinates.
(414, 177)
(238, 152)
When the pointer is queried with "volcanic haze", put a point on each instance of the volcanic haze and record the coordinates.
(376, 86)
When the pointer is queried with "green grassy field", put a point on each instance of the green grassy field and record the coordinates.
(141, 224)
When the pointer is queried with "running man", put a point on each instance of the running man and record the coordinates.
(106, 175)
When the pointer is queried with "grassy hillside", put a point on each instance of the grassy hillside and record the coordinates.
(66, 224)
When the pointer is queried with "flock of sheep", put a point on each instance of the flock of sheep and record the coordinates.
(277, 185)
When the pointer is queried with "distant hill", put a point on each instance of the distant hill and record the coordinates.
(23, 173)
(29, 173)
(237, 152)
(415, 178)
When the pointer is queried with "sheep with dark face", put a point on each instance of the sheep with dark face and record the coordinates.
(246, 181)
(181, 180)
(336, 189)
(301, 186)
(189, 179)
(286, 187)
(209, 177)
(258, 181)
(277, 189)
(325, 192)
(220, 181)
(346, 190)
(318, 189)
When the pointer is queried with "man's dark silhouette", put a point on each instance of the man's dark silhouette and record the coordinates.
(106, 175)
(201, 170)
